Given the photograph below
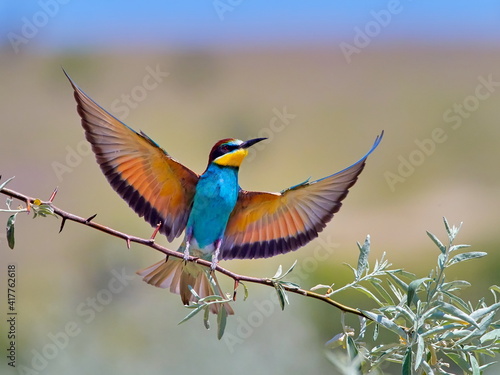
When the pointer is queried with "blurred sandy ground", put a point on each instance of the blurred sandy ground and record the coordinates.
(209, 94)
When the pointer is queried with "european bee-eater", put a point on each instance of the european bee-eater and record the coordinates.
(220, 220)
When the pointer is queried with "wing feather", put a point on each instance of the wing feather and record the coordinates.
(267, 224)
(156, 186)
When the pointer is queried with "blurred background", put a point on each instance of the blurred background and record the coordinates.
(320, 79)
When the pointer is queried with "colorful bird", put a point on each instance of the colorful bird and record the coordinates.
(220, 220)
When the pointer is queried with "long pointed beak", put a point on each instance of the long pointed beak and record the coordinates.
(251, 142)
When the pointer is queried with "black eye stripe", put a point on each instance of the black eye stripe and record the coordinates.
(228, 148)
(223, 149)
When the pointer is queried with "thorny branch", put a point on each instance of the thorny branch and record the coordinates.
(151, 243)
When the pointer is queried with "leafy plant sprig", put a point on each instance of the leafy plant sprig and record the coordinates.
(37, 207)
(436, 328)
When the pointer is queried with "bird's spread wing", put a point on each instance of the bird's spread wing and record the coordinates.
(266, 224)
(156, 186)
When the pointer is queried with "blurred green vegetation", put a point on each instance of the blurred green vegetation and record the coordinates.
(208, 95)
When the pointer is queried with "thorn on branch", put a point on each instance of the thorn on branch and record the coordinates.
(88, 220)
(62, 224)
(155, 232)
(53, 195)
(128, 243)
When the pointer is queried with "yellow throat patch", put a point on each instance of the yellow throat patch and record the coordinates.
(232, 159)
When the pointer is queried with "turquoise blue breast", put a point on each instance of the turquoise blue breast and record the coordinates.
(214, 200)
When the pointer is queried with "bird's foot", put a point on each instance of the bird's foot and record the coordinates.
(215, 256)
(186, 255)
(213, 266)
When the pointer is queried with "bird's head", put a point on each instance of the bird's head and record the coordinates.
(230, 152)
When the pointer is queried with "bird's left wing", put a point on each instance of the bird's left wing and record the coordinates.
(155, 185)
(266, 224)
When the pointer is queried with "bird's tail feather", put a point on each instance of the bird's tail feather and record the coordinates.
(176, 274)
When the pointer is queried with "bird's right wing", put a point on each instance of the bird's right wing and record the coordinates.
(263, 225)
(155, 185)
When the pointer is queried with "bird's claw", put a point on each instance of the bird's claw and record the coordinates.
(213, 266)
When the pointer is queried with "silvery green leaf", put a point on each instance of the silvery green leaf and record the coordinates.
(455, 334)
(487, 351)
(398, 281)
(364, 252)
(10, 231)
(290, 284)
(438, 243)
(483, 327)
(454, 231)
(354, 271)
(335, 341)
(395, 290)
(278, 272)
(485, 310)
(321, 286)
(375, 332)
(441, 328)
(196, 310)
(427, 368)
(206, 322)
(474, 365)
(447, 226)
(381, 290)
(485, 366)
(389, 324)
(427, 314)
(403, 273)
(406, 312)
(458, 247)
(459, 360)
(193, 292)
(211, 298)
(458, 301)
(495, 288)
(362, 327)
(466, 256)
(454, 285)
(367, 292)
(285, 296)
(221, 321)
(406, 368)
(352, 350)
(289, 270)
(245, 291)
(282, 297)
(412, 289)
(2, 185)
(441, 261)
(491, 336)
(419, 355)
(456, 312)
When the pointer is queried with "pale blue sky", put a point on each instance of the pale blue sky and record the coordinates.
(95, 24)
